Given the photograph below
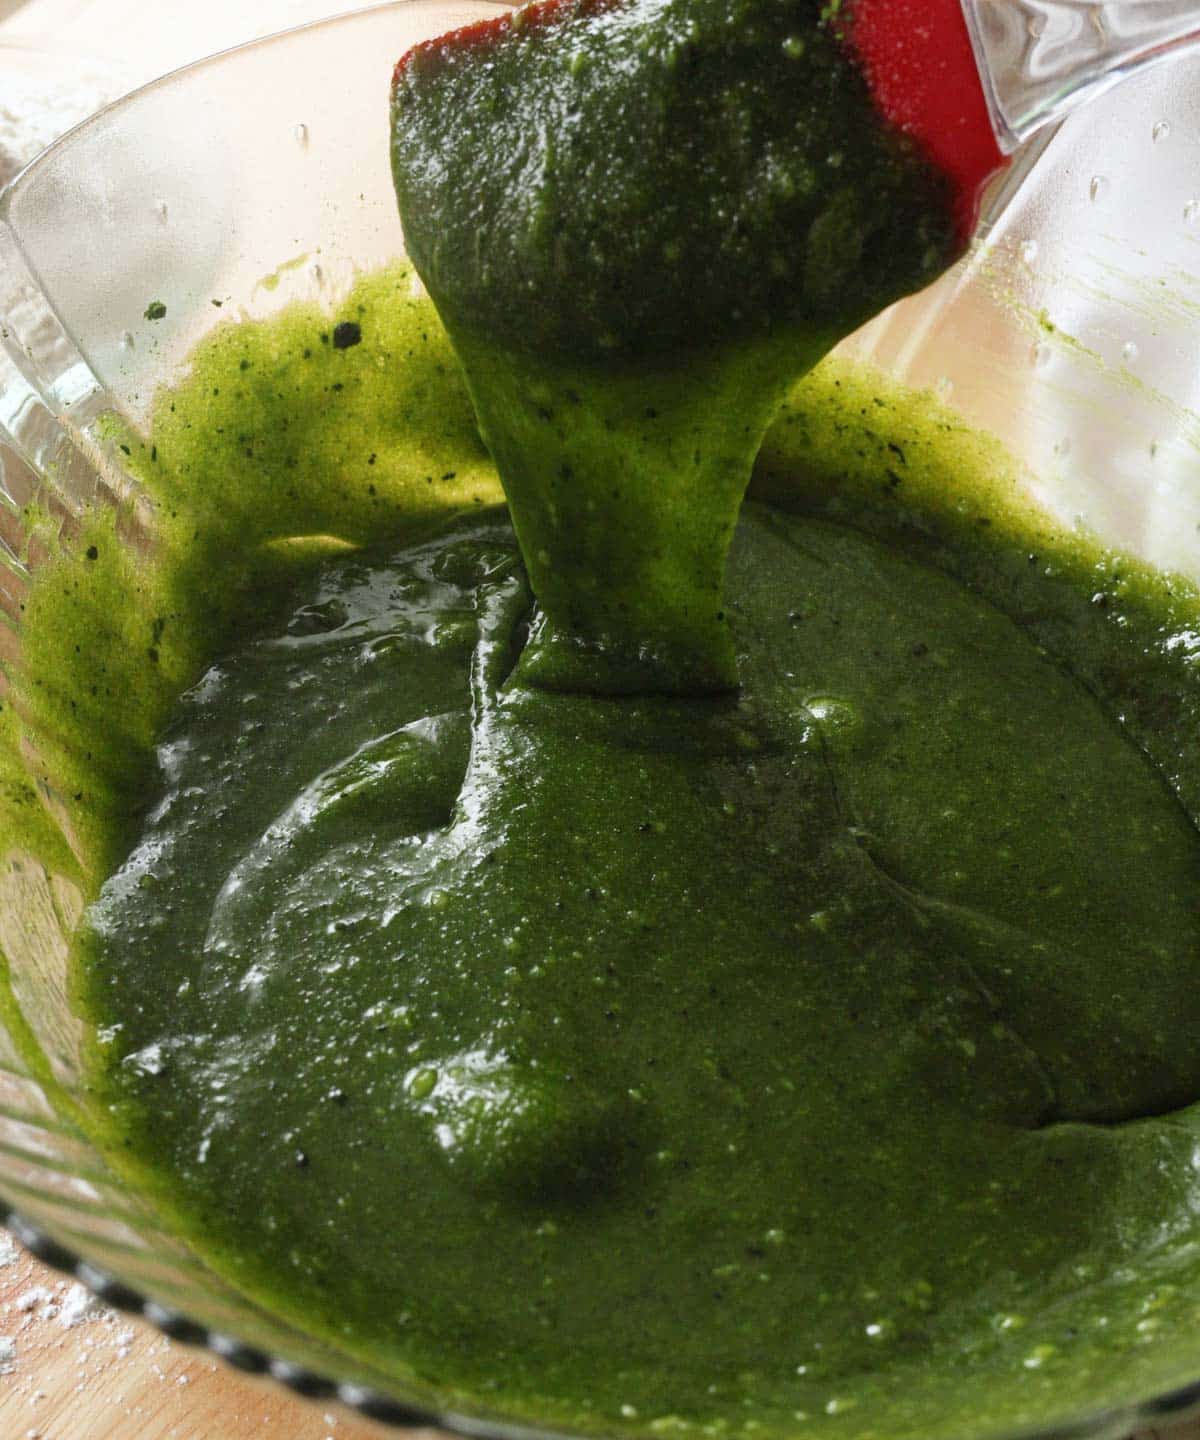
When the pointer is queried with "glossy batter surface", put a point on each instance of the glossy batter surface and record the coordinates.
(688, 1063)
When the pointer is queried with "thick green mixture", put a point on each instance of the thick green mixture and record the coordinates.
(497, 990)
(632, 1062)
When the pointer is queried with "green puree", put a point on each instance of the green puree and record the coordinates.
(599, 980)
(753, 1061)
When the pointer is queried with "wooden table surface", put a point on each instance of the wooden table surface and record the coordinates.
(72, 1370)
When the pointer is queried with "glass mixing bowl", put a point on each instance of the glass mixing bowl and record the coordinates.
(261, 176)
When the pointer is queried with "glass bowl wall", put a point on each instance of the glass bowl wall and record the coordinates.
(260, 177)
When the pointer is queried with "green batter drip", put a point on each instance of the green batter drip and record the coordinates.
(624, 490)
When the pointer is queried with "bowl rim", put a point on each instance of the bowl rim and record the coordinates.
(69, 137)
(1173, 1405)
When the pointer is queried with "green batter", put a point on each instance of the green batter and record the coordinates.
(722, 995)
(733, 1063)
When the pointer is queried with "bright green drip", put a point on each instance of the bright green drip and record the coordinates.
(624, 489)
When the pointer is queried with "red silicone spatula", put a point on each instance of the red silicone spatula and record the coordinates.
(970, 80)
(920, 66)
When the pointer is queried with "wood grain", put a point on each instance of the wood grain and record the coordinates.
(72, 1370)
